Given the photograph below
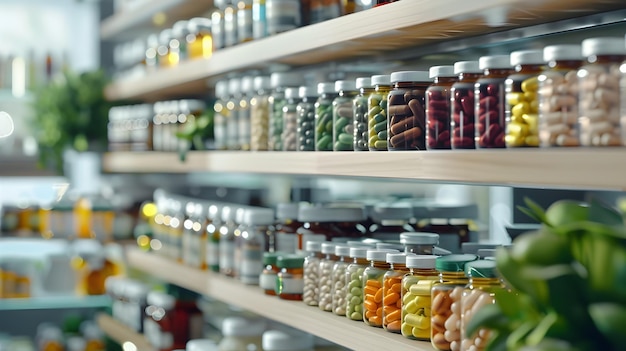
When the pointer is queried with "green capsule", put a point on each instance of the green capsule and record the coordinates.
(382, 135)
(374, 110)
(380, 144)
(380, 117)
(380, 126)
(342, 122)
(345, 138)
(323, 143)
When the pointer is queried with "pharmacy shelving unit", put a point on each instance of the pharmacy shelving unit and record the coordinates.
(401, 27)
(122, 334)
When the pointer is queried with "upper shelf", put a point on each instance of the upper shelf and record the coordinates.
(583, 168)
(384, 29)
(150, 15)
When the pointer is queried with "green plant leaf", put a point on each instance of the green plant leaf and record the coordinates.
(497, 342)
(534, 211)
(610, 319)
(542, 329)
(517, 336)
(602, 213)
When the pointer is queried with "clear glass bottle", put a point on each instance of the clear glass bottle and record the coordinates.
(463, 121)
(158, 321)
(377, 113)
(419, 243)
(241, 334)
(245, 21)
(406, 107)
(360, 112)
(175, 231)
(257, 227)
(200, 41)
(558, 96)
(392, 291)
(227, 241)
(354, 282)
(373, 276)
(290, 119)
(232, 116)
(311, 268)
(324, 117)
(230, 23)
(306, 118)
(213, 234)
(187, 239)
(325, 286)
(416, 299)
(338, 280)
(479, 292)
(151, 58)
(282, 15)
(244, 120)
(598, 94)
(217, 24)
(323, 10)
(522, 109)
(446, 301)
(220, 115)
(277, 101)
(438, 112)
(259, 114)
(278, 340)
(343, 116)
(287, 224)
(490, 101)
(259, 19)
(290, 280)
(269, 275)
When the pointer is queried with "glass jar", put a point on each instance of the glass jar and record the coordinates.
(241, 334)
(232, 116)
(490, 103)
(416, 299)
(135, 303)
(282, 15)
(177, 46)
(150, 57)
(311, 268)
(217, 24)
(323, 10)
(290, 119)
(175, 231)
(213, 235)
(343, 116)
(406, 123)
(558, 96)
(290, 282)
(256, 229)
(227, 241)
(220, 116)
(438, 113)
(324, 117)
(419, 243)
(354, 282)
(462, 106)
(158, 321)
(598, 95)
(194, 236)
(245, 22)
(200, 42)
(280, 81)
(331, 222)
(522, 109)
(338, 280)
(267, 279)
(373, 286)
(163, 50)
(230, 23)
(360, 112)
(325, 286)
(446, 301)
(392, 291)
(259, 114)
(378, 112)
(480, 292)
(244, 121)
(259, 19)
(189, 111)
(287, 224)
(390, 219)
(306, 118)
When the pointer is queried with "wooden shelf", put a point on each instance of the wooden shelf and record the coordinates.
(122, 334)
(326, 325)
(583, 168)
(128, 24)
(384, 29)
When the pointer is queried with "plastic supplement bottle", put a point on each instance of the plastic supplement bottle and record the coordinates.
(360, 111)
(217, 24)
(306, 118)
(212, 227)
(257, 227)
(343, 117)
(354, 280)
(416, 299)
(241, 334)
(377, 113)
(227, 241)
(338, 278)
(280, 81)
(463, 122)
(407, 122)
(232, 116)
(438, 117)
(324, 117)
(311, 268)
(290, 120)
(221, 115)
(373, 276)
(259, 114)
(290, 280)
(392, 291)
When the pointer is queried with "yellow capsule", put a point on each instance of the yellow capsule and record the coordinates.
(408, 281)
(422, 287)
(534, 106)
(406, 330)
(514, 98)
(427, 312)
(530, 84)
(408, 297)
(513, 141)
(520, 109)
(421, 333)
(423, 301)
(416, 321)
(532, 140)
(411, 307)
(517, 129)
(531, 120)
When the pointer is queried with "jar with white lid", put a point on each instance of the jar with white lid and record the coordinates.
(245, 23)
(331, 221)
(558, 96)
(338, 280)
(325, 286)
(343, 115)
(598, 95)
(522, 101)
(311, 267)
(290, 119)
(178, 44)
(324, 116)
(232, 117)
(279, 81)
(192, 236)
(392, 291)
(213, 225)
(377, 123)
(241, 334)
(462, 107)
(306, 118)
(282, 15)
(200, 39)
(255, 231)
(227, 241)
(406, 124)
(438, 111)
(259, 114)
(230, 23)
(201, 345)
(259, 19)
(217, 24)
(244, 121)
(490, 101)
(150, 59)
(373, 276)
(419, 243)
(220, 116)
(360, 111)
(354, 282)
(276, 340)
(416, 299)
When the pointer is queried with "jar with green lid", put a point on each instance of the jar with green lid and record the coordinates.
(406, 123)
(287, 224)
(213, 225)
(558, 96)
(522, 107)
(290, 119)
(338, 280)
(392, 291)
(390, 219)
(200, 40)
(419, 243)
(377, 112)
(598, 91)
(311, 272)
(227, 241)
(480, 292)
(462, 106)
(446, 301)
(306, 118)
(490, 102)
(325, 286)
(324, 117)
(290, 282)
(438, 116)
(343, 116)
(269, 275)
(373, 286)
(354, 280)
(232, 116)
(220, 116)
(259, 114)
(360, 112)
(279, 82)
(244, 121)
(416, 299)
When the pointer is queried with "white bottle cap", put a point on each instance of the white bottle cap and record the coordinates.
(603, 46)
(345, 85)
(342, 250)
(275, 340)
(410, 76)
(247, 84)
(201, 345)
(363, 82)
(441, 71)
(381, 79)
(419, 238)
(285, 79)
(494, 61)
(397, 257)
(421, 261)
(291, 93)
(306, 91)
(259, 216)
(325, 88)
(221, 89)
(562, 52)
(467, 67)
(527, 57)
(379, 254)
(359, 252)
(238, 326)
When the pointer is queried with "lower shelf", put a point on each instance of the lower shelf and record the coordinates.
(122, 334)
(55, 302)
(351, 334)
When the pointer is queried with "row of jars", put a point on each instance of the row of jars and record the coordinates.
(563, 95)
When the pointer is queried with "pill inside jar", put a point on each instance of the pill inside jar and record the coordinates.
(406, 109)
(438, 107)
(462, 107)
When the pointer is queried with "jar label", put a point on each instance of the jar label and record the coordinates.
(290, 285)
(267, 281)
